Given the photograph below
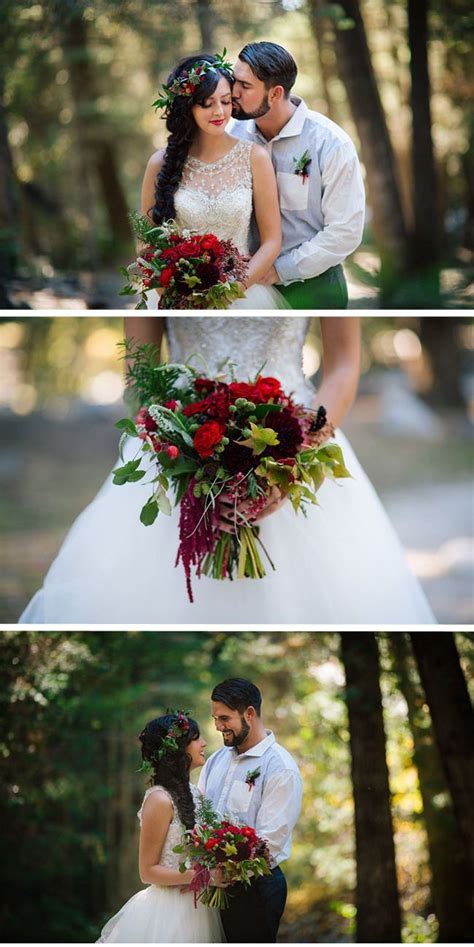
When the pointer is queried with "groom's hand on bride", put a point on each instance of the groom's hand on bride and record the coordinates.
(232, 516)
(270, 278)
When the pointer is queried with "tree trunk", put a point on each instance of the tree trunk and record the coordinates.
(452, 716)
(378, 911)
(9, 222)
(425, 205)
(439, 338)
(96, 153)
(451, 881)
(321, 27)
(357, 74)
(206, 17)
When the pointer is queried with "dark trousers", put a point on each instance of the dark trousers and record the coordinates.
(328, 291)
(254, 911)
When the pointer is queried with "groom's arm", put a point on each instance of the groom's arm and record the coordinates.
(343, 208)
(278, 813)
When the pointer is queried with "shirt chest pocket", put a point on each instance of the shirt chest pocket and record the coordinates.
(239, 797)
(293, 190)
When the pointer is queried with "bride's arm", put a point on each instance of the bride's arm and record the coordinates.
(156, 818)
(153, 168)
(267, 215)
(341, 365)
(144, 329)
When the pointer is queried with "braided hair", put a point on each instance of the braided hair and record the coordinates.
(172, 770)
(182, 128)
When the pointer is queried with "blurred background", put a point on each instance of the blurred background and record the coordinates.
(376, 736)
(77, 79)
(61, 392)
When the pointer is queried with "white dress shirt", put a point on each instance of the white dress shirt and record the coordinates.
(271, 805)
(323, 216)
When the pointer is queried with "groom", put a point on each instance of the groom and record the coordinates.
(254, 779)
(319, 181)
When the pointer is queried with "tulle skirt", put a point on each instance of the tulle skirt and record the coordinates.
(342, 564)
(162, 915)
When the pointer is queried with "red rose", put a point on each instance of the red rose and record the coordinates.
(172, 405)
(173, 453)
(211, 843)
(210, 242)
(268, 388)
(206, 438)
(171, 254)
(241, 389)
(166, 276)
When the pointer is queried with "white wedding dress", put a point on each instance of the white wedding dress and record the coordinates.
(342, 564)
(217, 198)
(164, 914)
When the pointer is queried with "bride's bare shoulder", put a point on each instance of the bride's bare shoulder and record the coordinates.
(156, 161)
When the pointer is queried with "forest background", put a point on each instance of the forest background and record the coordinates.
(380, 725)
(77, 79)
(411, 426)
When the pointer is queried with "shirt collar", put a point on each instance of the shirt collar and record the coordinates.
(259, 749)
(293, 127)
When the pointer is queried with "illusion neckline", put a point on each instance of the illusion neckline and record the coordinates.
(213, 164)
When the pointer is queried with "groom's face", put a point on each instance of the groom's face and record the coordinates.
(230, 723)
(250, 98)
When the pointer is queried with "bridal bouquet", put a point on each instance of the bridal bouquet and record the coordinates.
(219, 843)
(221, 446)
(193, 271)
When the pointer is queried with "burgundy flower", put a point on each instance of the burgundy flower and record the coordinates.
(290, 434)
(208, 273)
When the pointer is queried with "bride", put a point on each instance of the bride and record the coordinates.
(163, 913)
(343, 564)
(209, 181)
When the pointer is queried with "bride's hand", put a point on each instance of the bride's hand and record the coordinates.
(217, 878)
(229, 512)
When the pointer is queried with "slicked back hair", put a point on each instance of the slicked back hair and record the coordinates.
(272, 64)
(238, 693)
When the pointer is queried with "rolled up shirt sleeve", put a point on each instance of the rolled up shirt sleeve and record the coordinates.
(343, 208)
(278, 813)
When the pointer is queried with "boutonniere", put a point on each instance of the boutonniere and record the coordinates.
(301, 166)
(251, 778)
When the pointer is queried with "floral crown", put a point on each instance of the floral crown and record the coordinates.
(178, 728)
(187, 83)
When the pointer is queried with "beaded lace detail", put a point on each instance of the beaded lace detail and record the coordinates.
(248, 342)
(217, 197)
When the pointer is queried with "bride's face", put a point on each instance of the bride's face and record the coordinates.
(195, 751)
(212, 116)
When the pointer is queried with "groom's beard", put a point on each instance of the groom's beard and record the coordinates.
(238, 738)
(241, 116)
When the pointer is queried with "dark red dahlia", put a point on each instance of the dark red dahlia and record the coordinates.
(208, 273)
(290, 434)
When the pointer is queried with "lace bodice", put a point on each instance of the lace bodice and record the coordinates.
(217, 197)
(168, 858)
(249, 342)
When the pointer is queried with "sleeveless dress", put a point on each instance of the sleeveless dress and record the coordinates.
(217, 198)
(163, 914)
(342, 564)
